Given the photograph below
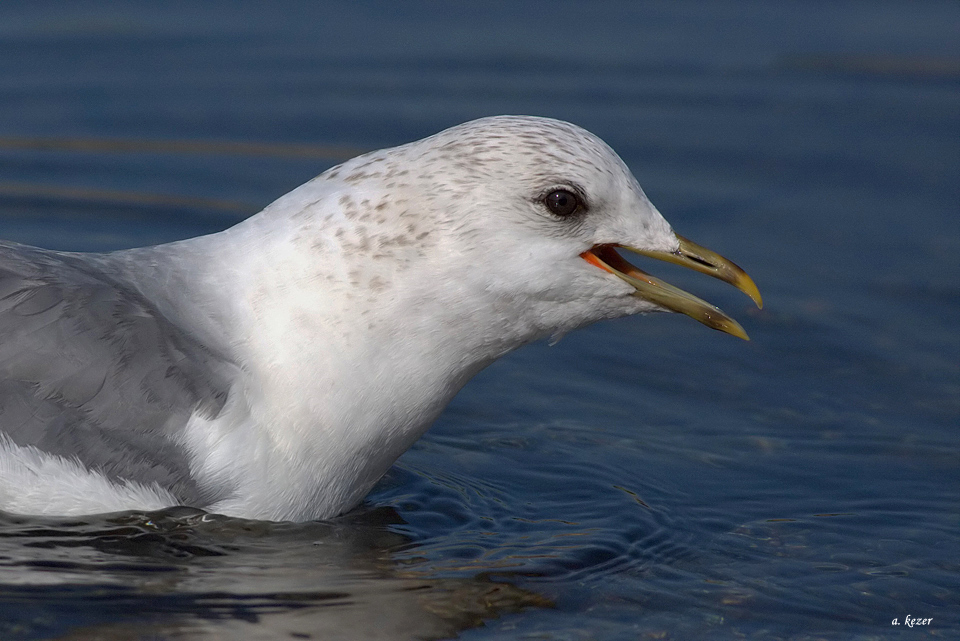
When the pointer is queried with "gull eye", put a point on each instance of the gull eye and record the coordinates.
(562, 202)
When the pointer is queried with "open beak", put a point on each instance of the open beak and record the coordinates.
(688, 254)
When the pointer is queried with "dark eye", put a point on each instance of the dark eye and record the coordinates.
(562, 203)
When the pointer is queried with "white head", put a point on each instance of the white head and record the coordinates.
(521, 198)
(517, 214)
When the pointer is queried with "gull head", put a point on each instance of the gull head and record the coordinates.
(529, 216)
(489, 235)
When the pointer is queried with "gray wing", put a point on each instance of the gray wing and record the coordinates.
(91, 370)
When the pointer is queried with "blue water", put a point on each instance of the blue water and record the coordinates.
(644, 478)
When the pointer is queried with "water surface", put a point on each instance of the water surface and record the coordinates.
(644, 478)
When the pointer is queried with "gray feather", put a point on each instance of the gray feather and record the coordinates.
(91, 370)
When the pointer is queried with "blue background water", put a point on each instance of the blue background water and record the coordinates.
(645, 478)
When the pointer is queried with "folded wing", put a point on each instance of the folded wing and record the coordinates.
(91, 371)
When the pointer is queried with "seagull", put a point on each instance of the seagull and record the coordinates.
(277, 369)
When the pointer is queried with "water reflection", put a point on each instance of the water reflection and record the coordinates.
(184, 572)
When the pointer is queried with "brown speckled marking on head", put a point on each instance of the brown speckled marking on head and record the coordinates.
(307, 211)
(393, 206)
(376, 284)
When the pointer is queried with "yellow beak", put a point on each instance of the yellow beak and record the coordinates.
(688, 254)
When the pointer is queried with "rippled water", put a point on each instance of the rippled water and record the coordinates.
(644, 478)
